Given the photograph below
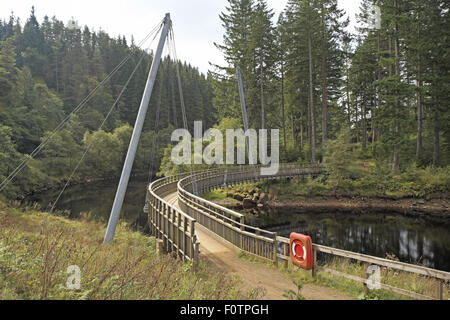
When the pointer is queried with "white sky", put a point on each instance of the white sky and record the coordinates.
(196, 22)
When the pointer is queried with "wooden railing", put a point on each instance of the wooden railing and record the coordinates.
(173, 227)
(441, 276)
(231, 227)
(225, 223)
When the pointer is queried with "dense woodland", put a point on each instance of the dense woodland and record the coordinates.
(47, 69)
(378, 97)
(310, 77)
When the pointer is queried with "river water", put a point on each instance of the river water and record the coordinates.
(96, 199)
(412, 240)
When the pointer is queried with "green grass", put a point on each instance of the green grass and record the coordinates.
(216, 195)
(366, 179)
(403, 280)
(34, 258)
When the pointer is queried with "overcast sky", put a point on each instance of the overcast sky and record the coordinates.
(196, 22)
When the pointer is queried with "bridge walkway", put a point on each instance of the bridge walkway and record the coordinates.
(225, 258)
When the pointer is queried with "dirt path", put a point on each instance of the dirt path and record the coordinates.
(274, 282)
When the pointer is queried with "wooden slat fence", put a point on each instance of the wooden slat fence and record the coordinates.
(230, 226)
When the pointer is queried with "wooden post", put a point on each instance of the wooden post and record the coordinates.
(159, 247)
(286, 253)
(184, 225)
(366, 276)
(196, 255)
(193, 240)
(314, 269)
(275, 249)
(241, 235)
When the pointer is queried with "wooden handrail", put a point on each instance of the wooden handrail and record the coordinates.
(214, 213)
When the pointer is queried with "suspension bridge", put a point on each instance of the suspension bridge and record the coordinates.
(186, 225)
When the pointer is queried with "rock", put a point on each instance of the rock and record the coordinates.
(262, 198)
(248, 203)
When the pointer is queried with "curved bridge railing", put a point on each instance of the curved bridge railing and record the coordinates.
(229, 226)
(173, 227)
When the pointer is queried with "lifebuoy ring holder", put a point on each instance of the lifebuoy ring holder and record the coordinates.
(301, 255)
(301, 251)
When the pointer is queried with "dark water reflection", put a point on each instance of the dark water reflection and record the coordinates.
(97, 200)
(412, 240)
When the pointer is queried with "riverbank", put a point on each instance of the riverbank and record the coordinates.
(316, 198)
(36, 249)
(433, 208)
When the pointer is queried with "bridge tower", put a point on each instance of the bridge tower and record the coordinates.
(126, 172)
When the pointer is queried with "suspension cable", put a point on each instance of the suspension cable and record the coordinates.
(183, 106)
(36, 151)
(155, 143)
(101, 126)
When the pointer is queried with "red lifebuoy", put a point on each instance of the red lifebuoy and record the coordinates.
(301, 251)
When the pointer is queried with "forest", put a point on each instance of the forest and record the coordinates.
(377, 98)
(47, 69)
(310, 77)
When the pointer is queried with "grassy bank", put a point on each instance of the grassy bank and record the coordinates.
(403, 280)
(364, 179)
(36, 249)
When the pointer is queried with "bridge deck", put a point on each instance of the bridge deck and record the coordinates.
(225, 258)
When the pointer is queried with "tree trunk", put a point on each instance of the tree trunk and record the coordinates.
(436, 144)
(324, 110)
(302, 139)
(349, 107)
(397, 102)
(283, 111)
(364, 127)
(324, 90)
(158, 105)
(174, 106)
(263, 113)
(356, 120)
(419, 124)
(311, 101)
(292, 128)
(419, 113)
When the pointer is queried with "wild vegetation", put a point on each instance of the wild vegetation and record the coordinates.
(309, 77)
(36, 249)
(372, 107)
(411, 282)
(348, 175)
(385, 89)
(48, 68)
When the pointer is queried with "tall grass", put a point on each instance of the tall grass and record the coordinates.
(36, 250)
(403, 280)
